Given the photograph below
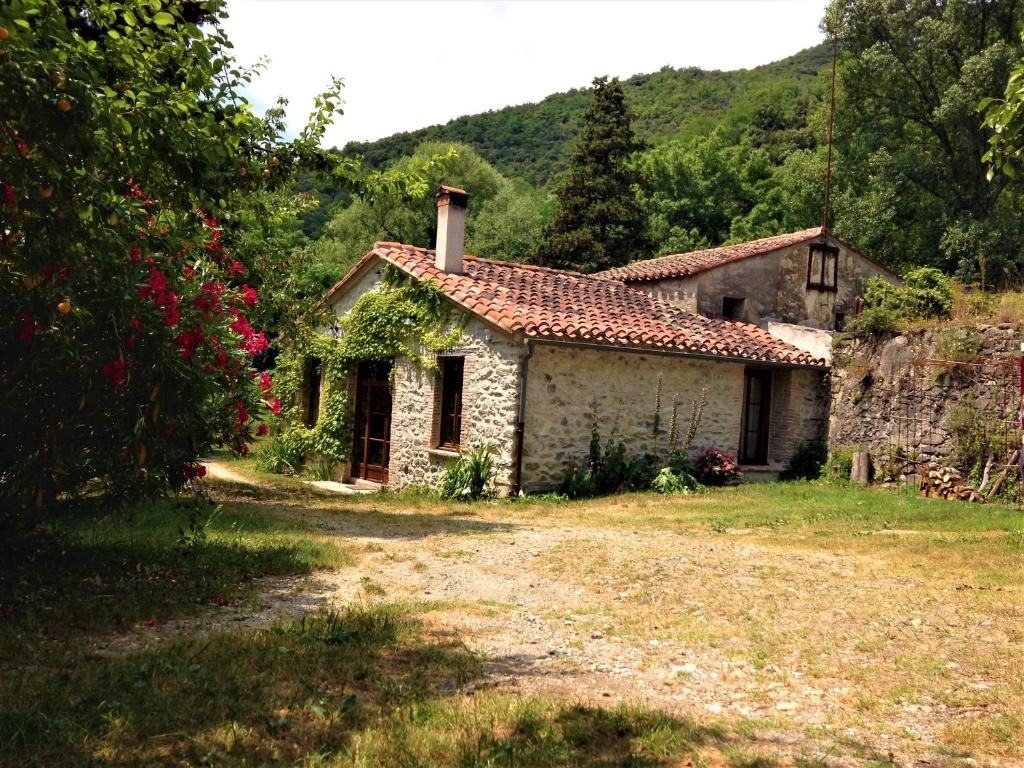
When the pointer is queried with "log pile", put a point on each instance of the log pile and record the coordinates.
(938, 482)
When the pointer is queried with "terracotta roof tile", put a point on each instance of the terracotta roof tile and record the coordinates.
(694, 262)
(555, 304)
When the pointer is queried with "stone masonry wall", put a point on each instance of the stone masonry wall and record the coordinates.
(773, 286)
(896, 391)
(569, 388)
(490, 387)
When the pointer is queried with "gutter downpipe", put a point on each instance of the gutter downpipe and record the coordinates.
(517, 472)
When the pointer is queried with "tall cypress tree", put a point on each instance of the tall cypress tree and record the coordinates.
(599, 224)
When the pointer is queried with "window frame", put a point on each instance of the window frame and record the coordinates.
(827, 254)
(763, 426)
(451, 403)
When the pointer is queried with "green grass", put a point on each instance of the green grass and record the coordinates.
(386, 684)
(110, 573)
(366, 687)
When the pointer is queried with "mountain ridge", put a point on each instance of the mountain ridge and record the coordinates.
(533, 140)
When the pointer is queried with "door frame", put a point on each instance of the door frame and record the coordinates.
(766, 376)
(373, 389)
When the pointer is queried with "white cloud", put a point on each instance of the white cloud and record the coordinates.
(411, 64)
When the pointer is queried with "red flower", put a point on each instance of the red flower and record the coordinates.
(249, 297)
(208, 299)
(261, 430)
(266, 384)
(189, 341)
(236, 268)
(10, 198)
(275, 406)
(155, 288)
(256, 343)
(136, 323)
(116, 371)
(243, 415)
(189, 272)
(64, 273)
(194, 470)
(134, 254)
(28, 328)
(171, 313)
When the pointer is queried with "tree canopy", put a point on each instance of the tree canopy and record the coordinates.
(139, 236)
(599, 224)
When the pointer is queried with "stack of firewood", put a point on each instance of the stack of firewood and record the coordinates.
(938, 482)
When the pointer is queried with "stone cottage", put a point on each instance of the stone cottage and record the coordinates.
(787, 284)
(545, 354)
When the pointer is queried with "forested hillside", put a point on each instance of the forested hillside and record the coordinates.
(732, 156)
(532, 141)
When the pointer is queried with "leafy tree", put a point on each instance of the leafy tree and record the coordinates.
(397, 204)
(1005, 118)
(139, 207)
(912, 75)
(509, 225)
(599, 223)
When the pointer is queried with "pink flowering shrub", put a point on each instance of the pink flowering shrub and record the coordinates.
(714, 467)
(139, 267)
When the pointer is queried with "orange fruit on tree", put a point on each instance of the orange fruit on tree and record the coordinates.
(266, 173)
(4, 34)
(64, 307)
(63, 105)
(45, 192)
(242, 171)
(276, 162)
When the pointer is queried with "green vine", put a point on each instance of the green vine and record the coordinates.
(404, 317)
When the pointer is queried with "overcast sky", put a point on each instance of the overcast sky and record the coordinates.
(407, 65)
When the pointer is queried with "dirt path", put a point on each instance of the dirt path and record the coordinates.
(522, 596)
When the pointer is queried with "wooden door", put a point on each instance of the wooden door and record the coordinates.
(371, 450)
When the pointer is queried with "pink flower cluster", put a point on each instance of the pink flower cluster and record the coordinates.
(714, 467)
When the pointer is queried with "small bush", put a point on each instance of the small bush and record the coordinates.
(579, 483)
(806, 461)
(319, 468)
(713, 467)
(959, 344)
(640, 472)
(668, 482)
(467, 478)
(839, 464)
(926, 294)
(279, 457)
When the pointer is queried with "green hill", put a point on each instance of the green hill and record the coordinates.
(532, 141)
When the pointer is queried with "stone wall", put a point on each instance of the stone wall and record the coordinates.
(569, 389)
(899, 391)
(773, 286)
(489, 409)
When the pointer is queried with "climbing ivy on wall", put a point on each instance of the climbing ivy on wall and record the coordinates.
(403, 318)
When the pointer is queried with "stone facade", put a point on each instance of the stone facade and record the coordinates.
(773, 286)
(899, 391)
(489, 409)
(571, 388)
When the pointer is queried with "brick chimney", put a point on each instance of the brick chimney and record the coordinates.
(451, 228)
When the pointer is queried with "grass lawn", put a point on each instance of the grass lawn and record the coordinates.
(905, 616)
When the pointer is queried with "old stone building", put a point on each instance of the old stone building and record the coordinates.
(787, 283)
(545, 355)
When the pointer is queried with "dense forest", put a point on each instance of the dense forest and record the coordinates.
(729, 156)
(532, 141)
